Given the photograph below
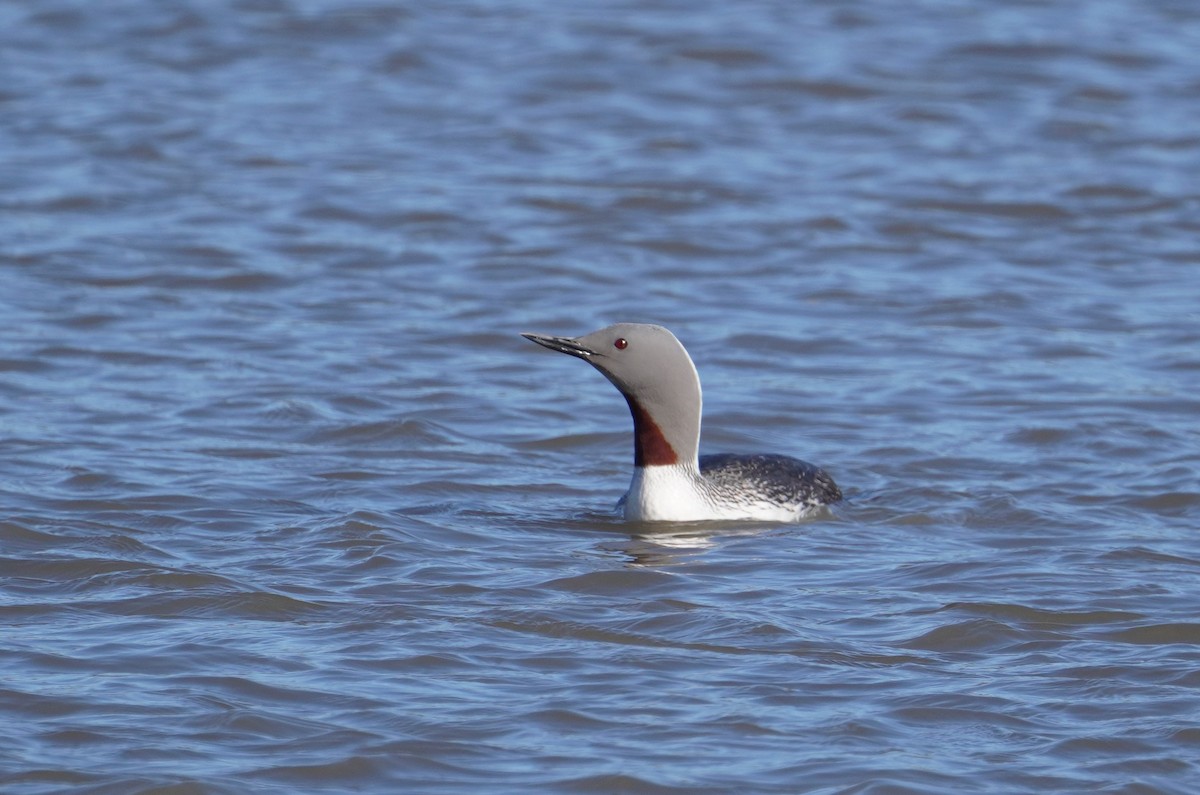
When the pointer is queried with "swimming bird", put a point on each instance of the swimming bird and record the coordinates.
(671, 481)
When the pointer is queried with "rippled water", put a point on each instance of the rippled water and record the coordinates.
(288, 506)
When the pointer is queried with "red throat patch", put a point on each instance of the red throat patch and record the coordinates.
(650, 447)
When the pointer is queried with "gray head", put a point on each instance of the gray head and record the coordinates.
(655, 374)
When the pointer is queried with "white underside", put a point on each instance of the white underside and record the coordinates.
(673, 494)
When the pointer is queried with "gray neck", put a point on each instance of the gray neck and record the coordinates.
(666, 422)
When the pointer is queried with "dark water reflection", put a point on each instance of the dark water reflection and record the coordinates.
(288, 506)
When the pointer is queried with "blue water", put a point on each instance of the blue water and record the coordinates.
(289, 506)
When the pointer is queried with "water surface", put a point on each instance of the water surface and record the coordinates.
(288, 506)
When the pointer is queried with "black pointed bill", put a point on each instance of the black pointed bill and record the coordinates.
(565, 345)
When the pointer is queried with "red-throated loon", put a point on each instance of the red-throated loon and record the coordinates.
(671, 481)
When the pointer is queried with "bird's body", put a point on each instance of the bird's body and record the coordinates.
(671, 481)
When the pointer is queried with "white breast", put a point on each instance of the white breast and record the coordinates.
(665, 494)
(675, 493)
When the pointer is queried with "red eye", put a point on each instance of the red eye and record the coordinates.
(621, 343)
